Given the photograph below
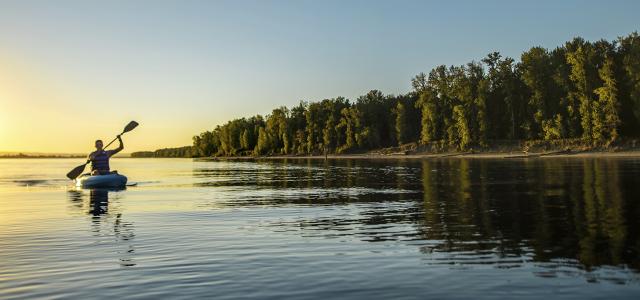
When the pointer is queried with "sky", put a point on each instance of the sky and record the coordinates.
(72, 72)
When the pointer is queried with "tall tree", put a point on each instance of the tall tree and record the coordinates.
(298, 124)
(584, 74)
(605, 112)
(537, 74)
(264, 142)
(630, 102)
(401, 123)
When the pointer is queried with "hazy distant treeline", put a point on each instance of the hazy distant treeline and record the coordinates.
(587, 90)
(166, 152)
(31, 155)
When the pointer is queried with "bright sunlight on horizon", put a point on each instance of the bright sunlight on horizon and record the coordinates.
(75, 71)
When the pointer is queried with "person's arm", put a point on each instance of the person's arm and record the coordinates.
(116, 150)
(91, 156)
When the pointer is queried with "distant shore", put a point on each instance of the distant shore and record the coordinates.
(29, 156)
(23, 156)
(498, 150)
(486, 155)
(530, 149)
(481, 155)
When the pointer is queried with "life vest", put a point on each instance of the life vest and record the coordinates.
(100, 161)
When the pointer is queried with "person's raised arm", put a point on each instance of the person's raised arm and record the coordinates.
(116, 150)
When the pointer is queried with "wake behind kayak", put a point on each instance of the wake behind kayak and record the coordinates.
(112, 180)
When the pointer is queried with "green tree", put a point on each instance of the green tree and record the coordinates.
(462, 132)
(264, 142)
(331, 133)
(246, 140)
(277, 129)
(553, 129)
(496, 117)
(605, 111)
(401, 123)
(564, 92)
(350, 123)
(431, 118)
(375, 120)
(297, 125)
(316, 120)
(435, 105)
(630, 101)
(537, 73)
(584, 74)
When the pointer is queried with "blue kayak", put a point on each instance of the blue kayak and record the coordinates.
(112, 180)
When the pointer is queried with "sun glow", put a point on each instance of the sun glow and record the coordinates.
(28, 108)
(56, 113)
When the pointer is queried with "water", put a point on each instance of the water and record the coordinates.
(310, 229)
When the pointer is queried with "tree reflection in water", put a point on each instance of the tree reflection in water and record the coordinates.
(580, 213)
(563, 211)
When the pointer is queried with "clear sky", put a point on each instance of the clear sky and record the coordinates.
(74, 71)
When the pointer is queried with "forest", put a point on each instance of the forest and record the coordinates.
(165, 152)
(581, 90)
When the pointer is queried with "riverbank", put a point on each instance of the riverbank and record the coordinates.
(498, 150)
(486, 155)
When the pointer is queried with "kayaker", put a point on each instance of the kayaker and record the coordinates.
(100, 158)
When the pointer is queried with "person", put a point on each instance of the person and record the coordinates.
(100, 158)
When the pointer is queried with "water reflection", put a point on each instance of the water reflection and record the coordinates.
(580, 214)
(106, 224)
(542, 210)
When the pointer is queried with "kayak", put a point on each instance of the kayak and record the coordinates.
(101, 181)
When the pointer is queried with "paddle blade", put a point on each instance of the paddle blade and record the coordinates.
(73, 174)
(130, 126)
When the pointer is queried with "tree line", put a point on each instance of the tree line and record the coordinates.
(586, 90)
(185, 151)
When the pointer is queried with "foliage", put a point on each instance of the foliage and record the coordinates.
(186, 151)
(587, 90)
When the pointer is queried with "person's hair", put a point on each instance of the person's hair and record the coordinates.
(98, 141)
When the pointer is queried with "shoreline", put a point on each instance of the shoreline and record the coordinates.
(414, 155)
(480, 155)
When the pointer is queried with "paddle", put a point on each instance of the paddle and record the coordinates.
(73, 174)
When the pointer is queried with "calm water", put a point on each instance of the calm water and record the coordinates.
(309, 229)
